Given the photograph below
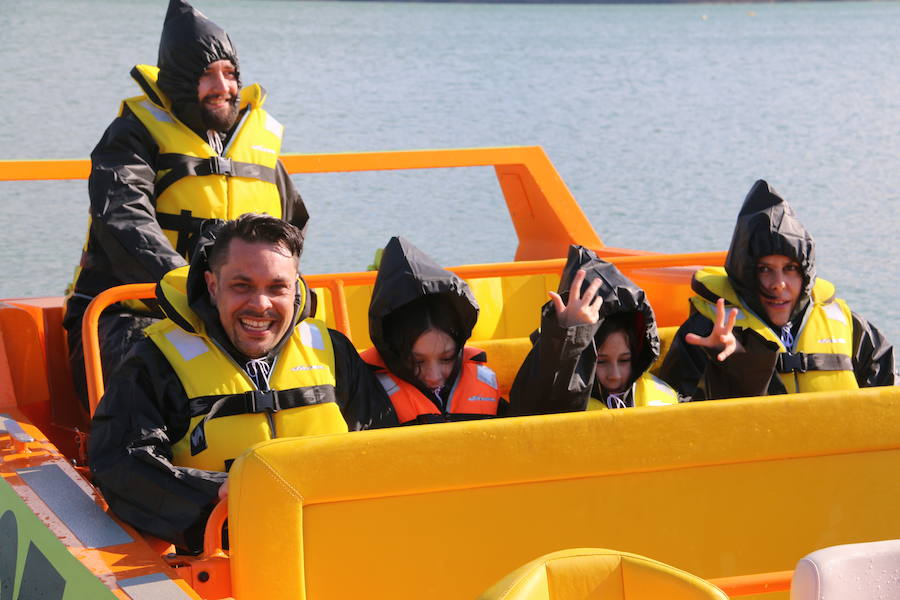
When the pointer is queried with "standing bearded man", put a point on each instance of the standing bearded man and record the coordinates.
(193, 147)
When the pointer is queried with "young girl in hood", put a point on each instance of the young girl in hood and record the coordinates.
(597, 342)
(765, 324)
(420, 318)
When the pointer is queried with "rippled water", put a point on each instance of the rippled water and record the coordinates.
(658, 117)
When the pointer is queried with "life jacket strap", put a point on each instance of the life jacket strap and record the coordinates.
(187, 226)
(181, 166)
(251, 402)
(801, 362)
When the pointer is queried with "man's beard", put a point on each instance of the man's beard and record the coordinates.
(221, 120)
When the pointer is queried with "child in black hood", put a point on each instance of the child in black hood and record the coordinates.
(420, 318)
(597, 342)
(765, 324)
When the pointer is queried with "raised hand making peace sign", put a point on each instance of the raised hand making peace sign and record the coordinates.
(721, 339)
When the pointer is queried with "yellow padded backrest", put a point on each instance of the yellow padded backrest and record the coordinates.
(510, 306)
(599, 574)
(442, 511)
(505, 356)
(666, 335)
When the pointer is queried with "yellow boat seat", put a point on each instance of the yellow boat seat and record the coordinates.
(598, 574)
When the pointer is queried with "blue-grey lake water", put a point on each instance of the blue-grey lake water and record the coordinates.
(658, 117)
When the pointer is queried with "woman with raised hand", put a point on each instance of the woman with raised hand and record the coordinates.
(420, 318)
(597, 342)
(765, 324)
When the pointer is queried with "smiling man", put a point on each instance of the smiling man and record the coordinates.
(237, 361)
(195, 145)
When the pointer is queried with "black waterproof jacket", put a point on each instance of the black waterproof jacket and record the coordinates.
(145, 410)
(766, 225)
(125, 243)
(407, 274)
(559, 373)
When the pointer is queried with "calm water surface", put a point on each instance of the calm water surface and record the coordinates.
(659, 118)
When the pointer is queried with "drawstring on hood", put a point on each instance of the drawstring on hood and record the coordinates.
(787, 336)
(767, 225)
(190, 42)
(259, 371)
(616, 401)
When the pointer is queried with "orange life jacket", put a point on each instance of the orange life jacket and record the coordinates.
(474, 395)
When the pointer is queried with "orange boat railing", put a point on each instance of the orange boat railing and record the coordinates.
(545, 215)
(336, 284)
(760, 583)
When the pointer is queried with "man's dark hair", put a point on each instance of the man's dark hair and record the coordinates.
(255, 228)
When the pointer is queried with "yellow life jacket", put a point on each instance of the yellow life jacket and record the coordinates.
(821, 358)
(228, 412)
(193, 182)
(648, 390)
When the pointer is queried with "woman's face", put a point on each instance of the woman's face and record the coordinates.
(614, 363)
(433, 358)
(780, 282)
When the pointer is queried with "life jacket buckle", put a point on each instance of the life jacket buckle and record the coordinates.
(219, 165)
(266, 401)
(788, 362)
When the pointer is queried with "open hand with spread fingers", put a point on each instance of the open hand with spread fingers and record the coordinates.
(582, 308)
(721, 339)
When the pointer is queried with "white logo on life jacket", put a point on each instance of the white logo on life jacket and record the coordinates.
(833, 341)
(262, 149)
(308, 367)
(481, 399)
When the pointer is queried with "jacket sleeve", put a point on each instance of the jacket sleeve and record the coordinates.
(873, 356)
(557, 375)
(697, 375)
(123, 208)
(293, 209)
(362, 400)
(142, 413)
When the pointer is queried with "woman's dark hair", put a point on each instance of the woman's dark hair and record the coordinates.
(404, 326)
(621, 322)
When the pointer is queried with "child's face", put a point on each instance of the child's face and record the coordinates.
(433, 357)
(614, 363)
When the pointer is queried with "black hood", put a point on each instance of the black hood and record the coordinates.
(767, 225)
(407, 274)
(199, 302)
(621, 296)
(190, 42)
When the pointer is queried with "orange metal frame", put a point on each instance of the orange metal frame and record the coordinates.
(760, 583)
(545, 215)
(337, 283)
